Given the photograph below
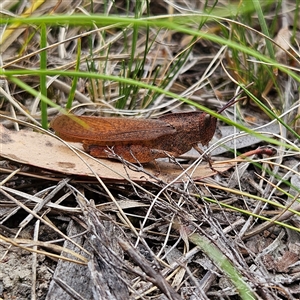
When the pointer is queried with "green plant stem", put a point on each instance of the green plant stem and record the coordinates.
(43, 76)
(75, 78)
(11, 73)
(224, 264)
(264, 27)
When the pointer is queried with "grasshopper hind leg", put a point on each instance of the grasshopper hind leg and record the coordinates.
(131, 153)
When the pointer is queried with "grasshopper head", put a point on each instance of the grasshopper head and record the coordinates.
(207, 127)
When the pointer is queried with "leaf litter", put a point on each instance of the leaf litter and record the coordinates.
(75, 227)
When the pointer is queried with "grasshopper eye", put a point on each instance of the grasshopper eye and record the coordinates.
(207, 120)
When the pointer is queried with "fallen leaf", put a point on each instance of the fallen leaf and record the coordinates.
(44, 151)
(283, 40)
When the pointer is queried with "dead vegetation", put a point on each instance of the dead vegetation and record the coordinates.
(72, 227)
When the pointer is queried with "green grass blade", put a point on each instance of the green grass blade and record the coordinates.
(43, 76)
(224, 264)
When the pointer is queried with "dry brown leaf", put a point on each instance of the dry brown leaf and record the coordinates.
(283, 40)
(44, 151)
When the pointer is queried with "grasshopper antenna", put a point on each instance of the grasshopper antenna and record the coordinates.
(234, 99)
